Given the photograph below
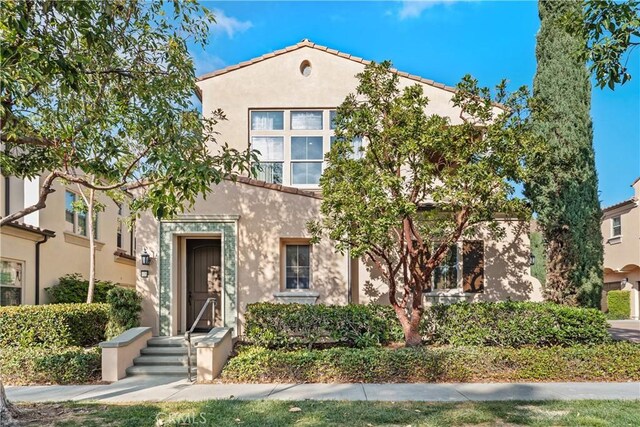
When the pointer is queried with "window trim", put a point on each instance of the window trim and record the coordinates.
(299, 241)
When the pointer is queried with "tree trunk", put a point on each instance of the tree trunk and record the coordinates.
(410, 326)
(92, 247)
(7, 410)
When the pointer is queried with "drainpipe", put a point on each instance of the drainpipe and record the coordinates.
(7, 196)
(38, 267)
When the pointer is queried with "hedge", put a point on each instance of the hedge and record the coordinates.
(293, 325)
(507, 323)
(607, 362)
(124, 310)
(71, 365)
(619, 305)
(73, 288)
(51, 326)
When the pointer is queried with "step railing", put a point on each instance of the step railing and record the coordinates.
(187, 335)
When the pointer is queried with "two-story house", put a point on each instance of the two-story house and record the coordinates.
(38, 249)
(621, 235)
(248, 241)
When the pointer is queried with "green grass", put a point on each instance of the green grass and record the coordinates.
(340, 413)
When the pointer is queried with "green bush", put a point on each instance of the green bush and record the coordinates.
(607, 362)
(619, 305)
(124, 310)
(294, 325)
(71, 365)
(511, 324)
(72, 288)
(514, 324)
(56, 325)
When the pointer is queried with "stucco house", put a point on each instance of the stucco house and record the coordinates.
(38, 249)
(621, 239)
(248, 241)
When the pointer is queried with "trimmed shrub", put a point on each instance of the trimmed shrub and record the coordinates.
(294, 325)
(72, 288)
(124, 310)
(607, 362)
(56, 325)
(512, 324)
(71, 365)
(619, 305)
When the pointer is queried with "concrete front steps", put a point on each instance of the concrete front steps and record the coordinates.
(165, 356)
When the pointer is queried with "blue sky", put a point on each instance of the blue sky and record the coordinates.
(439, 40)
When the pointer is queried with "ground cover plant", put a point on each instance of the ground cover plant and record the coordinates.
(227, 413)
(610, 362)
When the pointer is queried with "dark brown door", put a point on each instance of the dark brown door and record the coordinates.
(204, 280)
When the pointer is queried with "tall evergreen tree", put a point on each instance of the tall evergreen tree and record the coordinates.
(564, 192)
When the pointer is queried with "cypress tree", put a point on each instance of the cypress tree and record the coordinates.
(564, 191)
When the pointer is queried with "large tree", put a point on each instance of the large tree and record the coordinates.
(422, 182)
(564, 191)
(98, 93)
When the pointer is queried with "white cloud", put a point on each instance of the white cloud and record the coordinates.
(206, 62)
(229, 24)
(414, 8)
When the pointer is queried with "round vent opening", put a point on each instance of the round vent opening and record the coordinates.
(305, 68)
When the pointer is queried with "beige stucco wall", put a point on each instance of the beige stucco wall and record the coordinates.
(68, 253)
(622, 254)
(507, 274)
(276, 83)
(267, 219)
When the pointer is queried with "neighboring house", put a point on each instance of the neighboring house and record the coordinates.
(621, 235)
(248, 241)
(43, 246)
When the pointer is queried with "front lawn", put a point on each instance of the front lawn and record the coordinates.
(317, 413)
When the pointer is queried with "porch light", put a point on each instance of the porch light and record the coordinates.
(624, 282)
(145, 257)
(532, 259)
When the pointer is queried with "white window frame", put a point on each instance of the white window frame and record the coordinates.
(613, 227)
(284, 243)
(287, 133)
(77, 215)
(23, 280)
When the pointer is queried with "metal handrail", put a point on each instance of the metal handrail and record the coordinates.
(187, 335)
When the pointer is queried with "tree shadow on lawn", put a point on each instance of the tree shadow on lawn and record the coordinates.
(341, 413)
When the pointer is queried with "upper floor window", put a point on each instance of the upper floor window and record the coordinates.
(616, 226)
(267, 120)
(306, 120)
(332, 119)
(271, 156)
(76, 221)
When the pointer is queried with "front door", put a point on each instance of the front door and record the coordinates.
(204, 280)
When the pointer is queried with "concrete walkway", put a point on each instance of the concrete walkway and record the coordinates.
(138, 389)
(625, 330)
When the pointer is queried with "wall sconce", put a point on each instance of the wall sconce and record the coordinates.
(532, 259)
(145, 257)
(144, 273)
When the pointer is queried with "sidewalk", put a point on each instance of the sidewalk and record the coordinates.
(138, 389)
